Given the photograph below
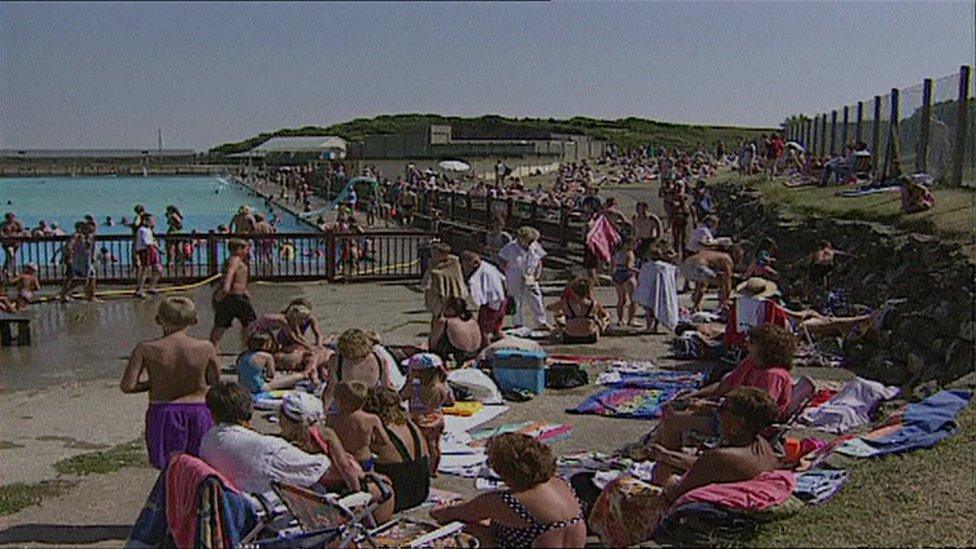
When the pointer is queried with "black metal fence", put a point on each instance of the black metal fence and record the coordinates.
(274, 257)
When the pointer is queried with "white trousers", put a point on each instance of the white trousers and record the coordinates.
(528, 296)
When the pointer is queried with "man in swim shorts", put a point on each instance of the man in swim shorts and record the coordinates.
(232, 298)
(705, 268)
(150, 263)
(178, 372)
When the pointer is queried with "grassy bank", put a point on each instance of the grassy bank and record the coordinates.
(953, 216)
(925, 498)
(15, 497)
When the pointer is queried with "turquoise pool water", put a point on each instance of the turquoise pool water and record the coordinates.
(205, 202)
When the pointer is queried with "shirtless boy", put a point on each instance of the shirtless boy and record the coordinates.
(232, 298)
(358, 431)
(179, 371)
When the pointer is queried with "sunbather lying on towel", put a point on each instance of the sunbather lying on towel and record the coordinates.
(628, 510)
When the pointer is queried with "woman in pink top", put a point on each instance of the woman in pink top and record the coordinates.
(767, 367)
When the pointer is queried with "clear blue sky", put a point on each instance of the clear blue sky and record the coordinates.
(100, 75)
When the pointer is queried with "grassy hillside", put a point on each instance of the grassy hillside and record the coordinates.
(625, 133)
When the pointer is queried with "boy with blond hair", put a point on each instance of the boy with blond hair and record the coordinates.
(176, 370)
(232, 298)
(358, 431)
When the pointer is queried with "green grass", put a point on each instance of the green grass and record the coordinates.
(104, 461)
(952, 217)
(14, 497)
(624, 132)
(927, 497)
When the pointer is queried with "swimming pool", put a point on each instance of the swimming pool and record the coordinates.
(205, 202)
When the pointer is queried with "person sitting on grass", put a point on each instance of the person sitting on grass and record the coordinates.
(538, 509)
(767, 367)
(579, 316)
(178, 372)
(256, 367)
(627, 511)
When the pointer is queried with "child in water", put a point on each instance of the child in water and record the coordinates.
(428, 393)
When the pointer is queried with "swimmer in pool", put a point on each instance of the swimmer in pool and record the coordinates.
(109, 222)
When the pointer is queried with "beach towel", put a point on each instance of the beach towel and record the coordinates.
(923, 425)
(851, 407)
(463, 409)
(602, 238)
(184, 476)
(768, 489)
(150, 529)
(749, 313)
(854, 193)
(657, 290)
(639, 396)
(269, 400)
(477, 383)
(542, 431)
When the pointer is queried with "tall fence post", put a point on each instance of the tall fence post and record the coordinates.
(876, 135)
(962, 116)
(812, 147)
(922, 151)
(823, 134)
(833, 132)
(212, 254)
(330, 255)
(860, 120)
(891, 152)
(843, 141)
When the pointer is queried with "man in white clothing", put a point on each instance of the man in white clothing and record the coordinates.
(703, 235)
(523, 269)
(486, 285)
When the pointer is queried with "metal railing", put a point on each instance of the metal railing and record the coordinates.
(274, 257)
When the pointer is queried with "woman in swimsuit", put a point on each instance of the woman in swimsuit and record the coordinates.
(406, 460)
(356, 359)
(538, 509)
(455, 332)
(625, 280)
(579, 316)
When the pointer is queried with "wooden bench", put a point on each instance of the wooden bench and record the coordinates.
(8, 322)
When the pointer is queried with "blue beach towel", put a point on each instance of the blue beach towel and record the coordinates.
(925, 423)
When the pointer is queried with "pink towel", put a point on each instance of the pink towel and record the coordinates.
(768, 489)
(602, 238)
(184, 475)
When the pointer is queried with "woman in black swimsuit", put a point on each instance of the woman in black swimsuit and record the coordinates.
(406, 460)
(356, 360)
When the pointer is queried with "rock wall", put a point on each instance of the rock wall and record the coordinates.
(928, 337)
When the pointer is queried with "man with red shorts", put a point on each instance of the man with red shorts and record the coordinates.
(149, 263)
(487, 287)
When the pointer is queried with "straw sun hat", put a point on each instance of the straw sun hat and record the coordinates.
(757, 287)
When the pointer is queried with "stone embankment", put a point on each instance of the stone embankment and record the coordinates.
(927, 337)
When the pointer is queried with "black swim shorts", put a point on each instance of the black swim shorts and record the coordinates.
(231, 307)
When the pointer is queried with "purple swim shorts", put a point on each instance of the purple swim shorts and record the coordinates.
(175, 427)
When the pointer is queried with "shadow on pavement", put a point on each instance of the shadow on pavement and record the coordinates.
(65, 534)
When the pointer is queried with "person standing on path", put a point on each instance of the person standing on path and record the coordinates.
(178, 372)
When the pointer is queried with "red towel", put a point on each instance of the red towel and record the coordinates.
(184, 475)
(602, 238)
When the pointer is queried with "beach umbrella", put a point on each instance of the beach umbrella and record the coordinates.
(454, 165)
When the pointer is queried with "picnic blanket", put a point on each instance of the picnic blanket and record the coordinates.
(851, 407)
(921, 425)
(639, 395)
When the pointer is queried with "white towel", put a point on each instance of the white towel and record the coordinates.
(657, 289)
(749, 313)
(487, 286)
